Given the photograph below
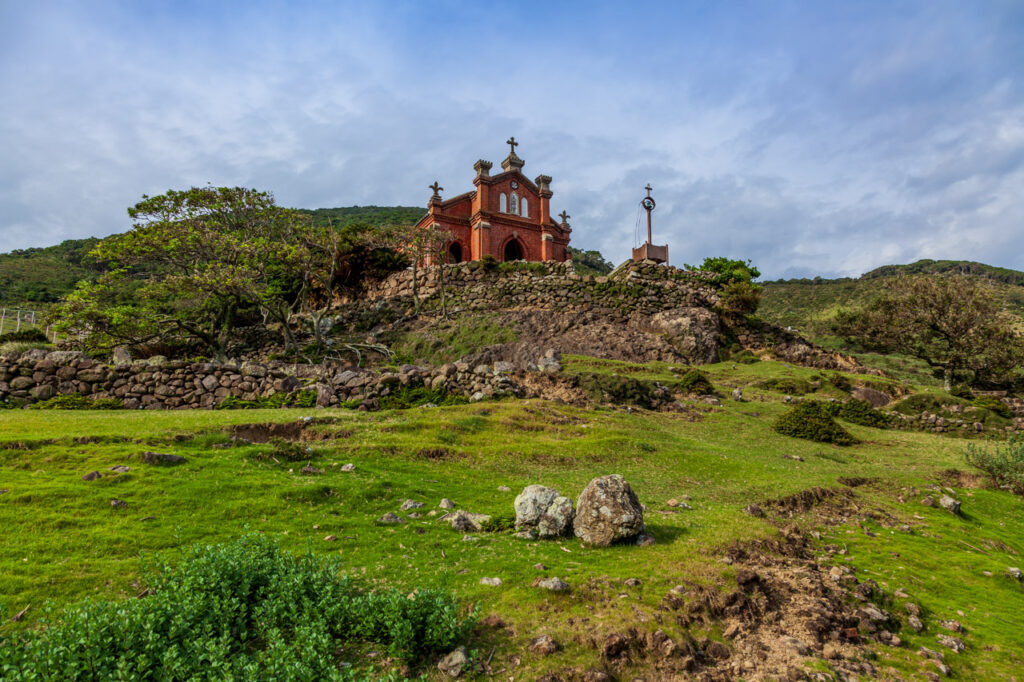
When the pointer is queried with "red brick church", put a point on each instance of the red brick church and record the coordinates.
(506, 216)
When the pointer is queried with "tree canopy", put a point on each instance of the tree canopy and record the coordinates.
(953, 323)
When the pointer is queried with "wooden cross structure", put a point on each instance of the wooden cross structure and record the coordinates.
(648, 251)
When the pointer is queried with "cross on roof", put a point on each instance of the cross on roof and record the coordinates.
(511, 142)
(648, 188)
(437, 188)
(564, 216)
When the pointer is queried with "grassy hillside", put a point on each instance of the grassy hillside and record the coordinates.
(808, 305)
(29, 277)
(64, 542)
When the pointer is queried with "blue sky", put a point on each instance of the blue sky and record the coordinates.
(815, 138)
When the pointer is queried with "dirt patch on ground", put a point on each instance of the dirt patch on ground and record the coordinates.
(955, 478)
(291, 431)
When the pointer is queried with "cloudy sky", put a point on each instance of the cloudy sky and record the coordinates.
(816, 138)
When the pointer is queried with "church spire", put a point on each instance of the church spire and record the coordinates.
(512, 161)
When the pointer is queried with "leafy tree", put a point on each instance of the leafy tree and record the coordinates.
(196, 266)
(953, 323)
(589, 262)
(736, 278)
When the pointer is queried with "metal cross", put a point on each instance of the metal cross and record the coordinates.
(648, 188)
(437, 188)
(511, 142)
(564, 216)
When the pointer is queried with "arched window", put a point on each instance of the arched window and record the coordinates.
(513, 204)
(454, 252)
(513, 250)
(502, 203)
(525, 209)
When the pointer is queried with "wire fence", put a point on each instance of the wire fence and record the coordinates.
(20, 319)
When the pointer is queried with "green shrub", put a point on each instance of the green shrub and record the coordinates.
(839, 381)
(77, 401)
(811, 420)
(30, 335)
(994, 404)
(787, 385)
(498, 524)
(404, 397)
(244, 610)
(1003, 461)
(962, 391)
(695, 381)
(861, 412)
(22, 346)
(927, 402)
(746, 357)
(306, 398)
(741, 297)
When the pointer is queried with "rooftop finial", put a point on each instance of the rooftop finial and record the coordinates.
(437, 190)
(565, 217)
(511, 142)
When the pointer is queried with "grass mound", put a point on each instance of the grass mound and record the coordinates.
(787, 386)
(811, 420)
(241, 610)
(860, 412)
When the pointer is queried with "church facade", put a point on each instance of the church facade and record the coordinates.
(507, 216)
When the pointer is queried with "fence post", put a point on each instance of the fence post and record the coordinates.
(3, 316)
(18, 328)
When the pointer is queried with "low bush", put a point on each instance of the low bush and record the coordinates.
(306, 398)
(619, 390)
(695, 381)
(404, 397)
(993, 404)
(927, 402)
(962, 391)
(1003, 461)
(745, 357)
(811, 421)
(498, 524)
(30, 335)
(77, 401)
(787, 385)
(861, 412)
(244, 610)
(839, 381)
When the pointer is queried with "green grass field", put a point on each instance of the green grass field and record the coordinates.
(62, 540)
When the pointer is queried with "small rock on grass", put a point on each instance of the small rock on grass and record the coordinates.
(631, 582)
(949, 504)
(162, 458)
(91, 476)
(504, 489)
(118, 504)
(1013, 572)
(120, 468)
(330, 538)
(952, 625)
(446, 504)
(540, 567)
(544, 645)
(915, 623)
(310, 470)
(493, 582)
(754, 510)
(553, 584)
(391, 517)
(411, 504)
(348, 467)
(954, 643)
(452, 665)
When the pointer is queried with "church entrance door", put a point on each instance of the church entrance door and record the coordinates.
(513, 250)
(455, 253)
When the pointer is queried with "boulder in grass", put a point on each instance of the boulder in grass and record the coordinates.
(608, 511)
(391, 518)
(542, 512)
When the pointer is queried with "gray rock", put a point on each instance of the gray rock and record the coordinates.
(608, 511)
(411, 504)
(553, 584)
(493, 582)
(874, 614)
(476, 397)
(121, 468)
(949, 504)
(391, 518)
(951, 625)
(348, 467)
(954, 643)
(543, 510)
(737, 394)
(44, 392)
(876, 398)
(446, 504)
(454, 663)
(91, 476)
(1015, 573)
(915, 623)
(122, 356)
(118, 504)
(162, 458)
